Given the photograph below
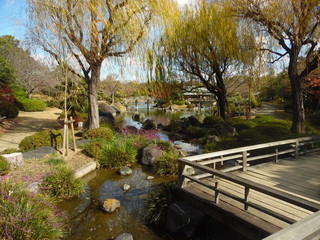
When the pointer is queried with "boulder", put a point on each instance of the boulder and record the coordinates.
(125, 171)
(110, 205)
(138, 117)
(189, 171)
(14, 159)
(124, 236)
(193, 121)
(213, 138)
(183, 219)
(150, 177)
(149, 124)
(160, 126)
(39, 152)
(130, 129)
(150, 154)
(227, 132)
(34, 187)
(106, 118)
(120, 107)
(175, 137)
(126, 187)
(106, 108)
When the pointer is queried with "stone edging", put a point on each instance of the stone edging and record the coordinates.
(89, 167)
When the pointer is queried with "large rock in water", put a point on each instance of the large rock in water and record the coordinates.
(150, 154)
(149, 124)
(138, 117)
(110, 205)
(183, 219)
(124, 171)
(124, 236)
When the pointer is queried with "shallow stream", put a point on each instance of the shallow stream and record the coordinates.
(88, 221)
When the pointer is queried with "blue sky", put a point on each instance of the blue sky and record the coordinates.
(12, 18)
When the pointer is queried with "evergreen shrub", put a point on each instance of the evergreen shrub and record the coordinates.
(252, 137)
(212, 120)
(102, 132)
(241, 124)
(30, 105)
(167, 164)
(51, 138)
(4, 166)
(9, 110)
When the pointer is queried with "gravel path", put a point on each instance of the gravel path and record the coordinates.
(269, 109)
(28, 124)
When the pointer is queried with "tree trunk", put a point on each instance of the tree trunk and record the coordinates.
(222, 104)
(298, 118)
(93, 97)
(221, 94)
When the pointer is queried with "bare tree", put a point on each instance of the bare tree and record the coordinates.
(91, 31)
(205, 42)
(109, 86)
(293, 27)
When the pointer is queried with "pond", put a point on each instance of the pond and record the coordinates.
(86, 219)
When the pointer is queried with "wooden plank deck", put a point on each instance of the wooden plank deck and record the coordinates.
(299, 177)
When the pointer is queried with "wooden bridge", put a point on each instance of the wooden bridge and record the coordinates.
(272, 191)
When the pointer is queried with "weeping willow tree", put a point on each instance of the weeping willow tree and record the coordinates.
(205, 41)
(293, 30)
(91, 31)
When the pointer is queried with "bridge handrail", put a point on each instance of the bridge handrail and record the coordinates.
(248, 185)
(294, 147)
(307, 228)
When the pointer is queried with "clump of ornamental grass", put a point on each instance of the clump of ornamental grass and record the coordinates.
(158, 203)
(61, 183)
(28, 216)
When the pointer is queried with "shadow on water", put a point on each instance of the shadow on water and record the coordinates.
(87, 220)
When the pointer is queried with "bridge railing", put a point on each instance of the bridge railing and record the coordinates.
(306, 229)
(201, 164)
(243, 156)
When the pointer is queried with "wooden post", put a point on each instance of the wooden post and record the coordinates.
(216, 193)
(181, 179)
(67, 138)
(73, 137)
(277, 152)
(246, 197)
(296, 153)
(64, 137)
(244, 161)
(65, 145)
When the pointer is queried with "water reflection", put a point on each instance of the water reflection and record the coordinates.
(88, 221)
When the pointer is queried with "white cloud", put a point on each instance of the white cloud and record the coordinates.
(182, 2)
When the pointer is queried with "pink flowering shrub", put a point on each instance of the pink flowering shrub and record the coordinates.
(27, 216)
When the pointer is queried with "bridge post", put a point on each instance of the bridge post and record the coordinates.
(181, 178)
(246, 197)
(244, 161)
(296, 153)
